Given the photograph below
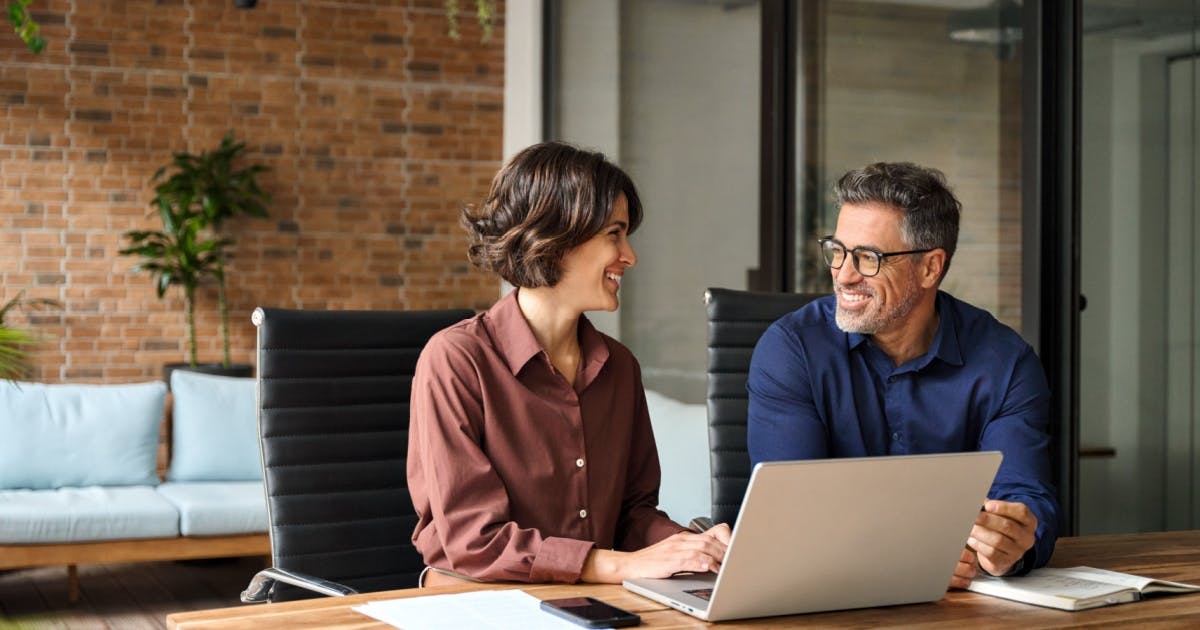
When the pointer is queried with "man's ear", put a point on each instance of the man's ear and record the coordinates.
(932, 265)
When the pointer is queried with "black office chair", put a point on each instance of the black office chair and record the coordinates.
(333, 391)
(736, 319)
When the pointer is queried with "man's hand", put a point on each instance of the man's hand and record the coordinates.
(965, 571)
(1003, 532)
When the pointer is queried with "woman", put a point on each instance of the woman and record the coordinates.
(531, 457)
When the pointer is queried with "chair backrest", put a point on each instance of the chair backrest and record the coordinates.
(333, 392)
(736, 319)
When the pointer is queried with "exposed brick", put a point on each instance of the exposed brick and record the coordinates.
(163, 91)
(94, 115)
(316, 60)
(88, 48)
(387, 38)
(47, 18)
(367, 167)
(49, 278)
(207, 53)
(277, 32)
(423, 66)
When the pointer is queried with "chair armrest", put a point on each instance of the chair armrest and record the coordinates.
(261, 584)
(701, 524)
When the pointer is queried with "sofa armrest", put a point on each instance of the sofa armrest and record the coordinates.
(261, 584)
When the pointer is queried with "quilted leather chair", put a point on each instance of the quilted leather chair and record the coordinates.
(736, 319)
(333, 393)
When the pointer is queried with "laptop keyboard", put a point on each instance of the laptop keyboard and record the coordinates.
(702, 593)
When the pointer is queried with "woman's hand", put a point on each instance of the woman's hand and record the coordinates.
(683, 552)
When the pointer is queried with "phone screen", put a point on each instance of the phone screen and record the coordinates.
(589, 611)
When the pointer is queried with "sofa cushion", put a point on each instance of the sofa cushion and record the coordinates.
(681, 432)
(85, 514)
(214, 428)
(53, 436)
(215, 508)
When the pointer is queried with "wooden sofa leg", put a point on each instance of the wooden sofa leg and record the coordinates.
(72, 583)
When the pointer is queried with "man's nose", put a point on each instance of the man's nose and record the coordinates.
(848, 272)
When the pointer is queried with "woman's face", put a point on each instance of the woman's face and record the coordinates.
(592, 272)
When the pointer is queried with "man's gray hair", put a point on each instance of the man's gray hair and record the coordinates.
(931, 211)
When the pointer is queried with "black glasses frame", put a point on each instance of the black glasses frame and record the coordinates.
(857, 251)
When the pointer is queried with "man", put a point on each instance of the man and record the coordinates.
(890, 365)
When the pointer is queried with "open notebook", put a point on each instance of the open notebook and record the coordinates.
(1076, 588)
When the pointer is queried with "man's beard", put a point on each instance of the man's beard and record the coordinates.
(875, 318)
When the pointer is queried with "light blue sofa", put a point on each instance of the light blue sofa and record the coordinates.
(79, 476)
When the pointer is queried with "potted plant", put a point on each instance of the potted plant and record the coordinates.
(194, 195)
(14, 342)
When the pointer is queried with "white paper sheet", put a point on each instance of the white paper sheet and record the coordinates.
(476, 609)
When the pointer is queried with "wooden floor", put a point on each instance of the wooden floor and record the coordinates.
(121, 596)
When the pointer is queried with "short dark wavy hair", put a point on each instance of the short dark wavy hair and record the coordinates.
(931, 211)
(548, 199)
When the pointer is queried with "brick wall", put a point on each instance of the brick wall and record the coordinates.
(376, 125)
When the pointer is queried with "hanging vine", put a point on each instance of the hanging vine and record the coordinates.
(485, 13)
(24, 25)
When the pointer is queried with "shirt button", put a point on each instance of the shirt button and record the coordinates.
(582, 513)
(895, 437)
(579, 463)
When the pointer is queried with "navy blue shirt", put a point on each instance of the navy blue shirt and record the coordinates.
(818, 392)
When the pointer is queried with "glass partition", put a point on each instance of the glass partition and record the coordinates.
(936, 83)
(1140, 359)
(670, 89)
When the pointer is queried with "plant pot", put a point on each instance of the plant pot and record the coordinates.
(217, 369)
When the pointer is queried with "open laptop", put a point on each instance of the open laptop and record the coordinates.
(833, 534)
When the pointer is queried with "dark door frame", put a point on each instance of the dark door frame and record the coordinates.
(1050, 194)
(1050, 177)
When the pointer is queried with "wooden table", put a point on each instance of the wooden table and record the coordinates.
(1168, 555)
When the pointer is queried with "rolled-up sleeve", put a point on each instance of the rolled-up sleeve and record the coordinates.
(1020, 432)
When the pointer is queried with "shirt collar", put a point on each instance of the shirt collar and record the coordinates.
(511, 333)
(515, 341)
(945, 340)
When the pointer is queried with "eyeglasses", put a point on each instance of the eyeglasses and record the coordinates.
(867, 261)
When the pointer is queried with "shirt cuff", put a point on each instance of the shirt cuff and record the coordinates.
(560, 560)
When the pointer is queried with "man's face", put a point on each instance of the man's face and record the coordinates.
(880, 303)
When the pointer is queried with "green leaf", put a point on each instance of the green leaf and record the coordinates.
(24, 25)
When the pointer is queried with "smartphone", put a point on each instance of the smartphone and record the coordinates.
(590, 612)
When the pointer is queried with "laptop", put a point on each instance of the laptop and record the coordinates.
(833, 534)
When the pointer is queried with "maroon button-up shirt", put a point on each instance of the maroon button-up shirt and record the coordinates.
(514, 473)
